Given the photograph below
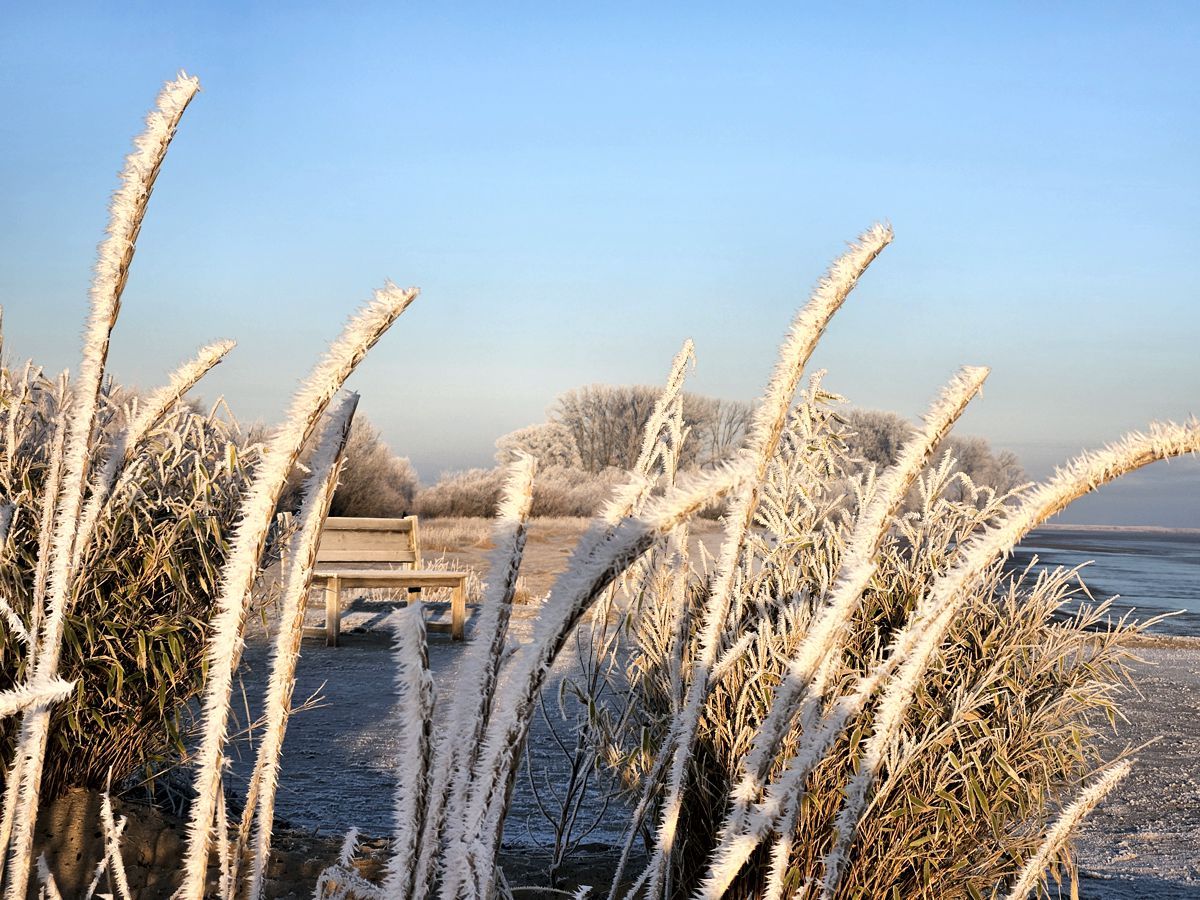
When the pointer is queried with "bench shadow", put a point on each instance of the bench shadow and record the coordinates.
(340, 756)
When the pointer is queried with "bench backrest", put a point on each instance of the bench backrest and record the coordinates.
(360, 540)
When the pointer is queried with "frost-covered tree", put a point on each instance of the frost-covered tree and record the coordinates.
(607, 421)
(550, 443)
(374, 480)
(877, 437)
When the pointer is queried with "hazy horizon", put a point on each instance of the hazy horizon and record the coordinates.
(578, 190)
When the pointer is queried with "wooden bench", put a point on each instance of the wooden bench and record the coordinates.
(365, 553)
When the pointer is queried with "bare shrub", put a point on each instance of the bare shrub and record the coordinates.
(470, 493)
(374, 481)
(607, 422)
(717, 427)
(876, 438)
(559, 491)
(550, 443)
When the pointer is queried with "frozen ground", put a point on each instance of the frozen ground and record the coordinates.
(1144, 842)
(339, 758)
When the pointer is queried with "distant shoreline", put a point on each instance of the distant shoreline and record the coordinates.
(1156, 529)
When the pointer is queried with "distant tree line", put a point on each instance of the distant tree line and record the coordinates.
(606, 421)
(877, 437)
(592, 436)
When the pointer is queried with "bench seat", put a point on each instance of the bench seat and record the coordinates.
(358, 553)
(336, 579)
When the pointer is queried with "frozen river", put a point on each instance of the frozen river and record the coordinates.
(1153, 571)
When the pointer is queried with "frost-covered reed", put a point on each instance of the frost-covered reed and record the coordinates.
(458, 747)
(44, 694)
(46, 878)
(921, 637)
(1058, 834)
(664, 427)
(596, 563)
(14, 623)
(452, 796)
(414, 686)
(112, 848)
(801, 690)
(301, 555)
(258, 511)
(53, 485)
(766, 428)
(797, 735)
(126, 212)
(823, 638)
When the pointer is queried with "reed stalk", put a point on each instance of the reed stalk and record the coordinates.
(456, 753)
(824, 640)
(44, 694)
(249, 538)
(46, 877)
(414, 687)
(765, 430)
(112, 848)
(302, 555)
(115, 255)
(50, 497)
(1066, 823)
(590, 570)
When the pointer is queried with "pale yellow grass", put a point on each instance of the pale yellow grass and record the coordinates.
(466, 543)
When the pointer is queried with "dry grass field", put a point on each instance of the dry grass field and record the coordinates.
(468, 543)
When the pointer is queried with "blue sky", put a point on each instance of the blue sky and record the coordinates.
(577, 188)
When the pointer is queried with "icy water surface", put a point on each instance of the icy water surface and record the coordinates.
(340, 759)
(1151, 571)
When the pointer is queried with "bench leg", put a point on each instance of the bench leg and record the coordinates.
(458, 611)
(333, 612)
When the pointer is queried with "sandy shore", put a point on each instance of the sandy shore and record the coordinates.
(1144, 841)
